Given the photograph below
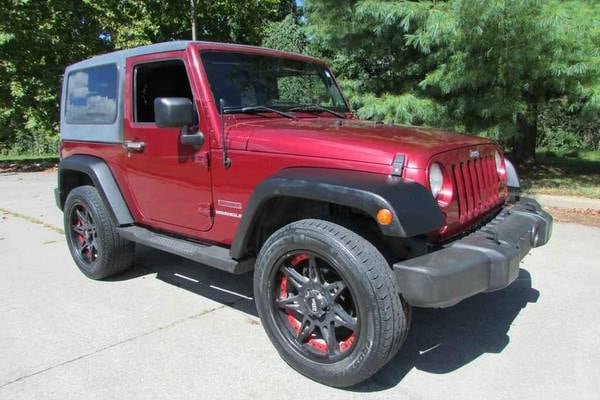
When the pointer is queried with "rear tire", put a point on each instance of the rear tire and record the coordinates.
(92, 236)
(374, 324)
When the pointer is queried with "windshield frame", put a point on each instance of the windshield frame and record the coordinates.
(277, 55)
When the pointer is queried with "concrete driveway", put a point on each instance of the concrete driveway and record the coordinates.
(174, 329)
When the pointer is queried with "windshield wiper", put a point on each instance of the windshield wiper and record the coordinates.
(254, 109)
(316, 107)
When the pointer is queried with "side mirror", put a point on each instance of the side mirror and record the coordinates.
(173, 112)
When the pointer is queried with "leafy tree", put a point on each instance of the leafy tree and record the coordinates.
(286, 35)
(378, 70)
(503, 61)
(567, 127)
(39, 38)
(485, 66)
(291, 35)
(138, 22)
(491, 67)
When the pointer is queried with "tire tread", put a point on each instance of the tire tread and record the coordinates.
(117, 253)
(392, 313)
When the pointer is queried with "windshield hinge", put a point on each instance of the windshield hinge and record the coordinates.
(398, 165)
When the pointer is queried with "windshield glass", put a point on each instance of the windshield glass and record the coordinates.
(248, 80)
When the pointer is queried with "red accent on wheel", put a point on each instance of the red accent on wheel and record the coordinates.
(318, 344)
(347, 344)
(79, 237)
(283, 288)
(294, 323)
(298, 258)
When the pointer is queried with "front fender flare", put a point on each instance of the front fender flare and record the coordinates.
(414, 209)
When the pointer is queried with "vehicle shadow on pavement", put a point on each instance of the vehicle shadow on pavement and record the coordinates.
(231, 290)
(443, 340)
(440, 340)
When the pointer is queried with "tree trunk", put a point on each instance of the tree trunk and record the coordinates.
(526, 139)
(193, 18)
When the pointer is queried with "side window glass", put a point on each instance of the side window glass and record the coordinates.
(158, 79)
(92, 95)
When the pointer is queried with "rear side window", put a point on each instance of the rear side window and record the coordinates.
(92, 95)
(158, 79)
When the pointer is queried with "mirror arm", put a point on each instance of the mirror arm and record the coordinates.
(191, 135)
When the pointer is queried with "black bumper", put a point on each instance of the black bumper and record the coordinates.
(486, 260)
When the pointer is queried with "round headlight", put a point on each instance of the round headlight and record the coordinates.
(436, 179)
(498, 159)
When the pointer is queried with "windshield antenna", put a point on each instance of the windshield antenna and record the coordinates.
(226, 159)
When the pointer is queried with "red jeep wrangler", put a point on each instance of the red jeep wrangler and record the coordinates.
(244, 158)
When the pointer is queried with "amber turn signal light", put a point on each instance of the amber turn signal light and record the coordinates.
(384, 216)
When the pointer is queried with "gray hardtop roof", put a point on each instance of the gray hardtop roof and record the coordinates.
(113, 132)
(119, 56)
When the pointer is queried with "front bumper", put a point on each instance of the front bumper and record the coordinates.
(486, 260)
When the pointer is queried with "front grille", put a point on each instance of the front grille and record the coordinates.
(477, 187)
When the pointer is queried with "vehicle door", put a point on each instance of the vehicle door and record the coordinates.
(170, 182)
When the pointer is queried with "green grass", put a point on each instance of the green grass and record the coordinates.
(559, 174)
(29, 157)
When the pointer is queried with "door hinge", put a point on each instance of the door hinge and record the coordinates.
(202, 159)
(206, 210)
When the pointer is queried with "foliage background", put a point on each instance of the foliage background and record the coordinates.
(524, 72)
(39, 38)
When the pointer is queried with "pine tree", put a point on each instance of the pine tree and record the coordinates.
(484, 66)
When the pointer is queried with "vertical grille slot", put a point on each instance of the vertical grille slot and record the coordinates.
(464, 168)
(488, 182)
(481, 184)
(460, 191)
(476, 184)
(491, 173)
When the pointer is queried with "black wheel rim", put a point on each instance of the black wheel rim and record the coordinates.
(314, 307)
(84, 235)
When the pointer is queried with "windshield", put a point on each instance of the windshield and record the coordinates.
(250, 80)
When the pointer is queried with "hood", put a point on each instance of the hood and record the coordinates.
(350, 139)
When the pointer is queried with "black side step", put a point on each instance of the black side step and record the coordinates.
(213, 256)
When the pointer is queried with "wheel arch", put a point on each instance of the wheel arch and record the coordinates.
(78, 170)
(415, 212)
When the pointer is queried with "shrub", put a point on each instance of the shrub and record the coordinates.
(561, 141)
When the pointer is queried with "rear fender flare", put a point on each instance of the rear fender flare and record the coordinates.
(103, 180)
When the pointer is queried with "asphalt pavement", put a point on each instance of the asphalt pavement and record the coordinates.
(174, 329)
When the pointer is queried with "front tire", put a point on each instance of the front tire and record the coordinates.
(329, 302)
(92, 236)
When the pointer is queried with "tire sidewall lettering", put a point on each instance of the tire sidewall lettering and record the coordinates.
(361, 356)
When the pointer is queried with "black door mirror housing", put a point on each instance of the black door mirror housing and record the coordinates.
(173, 112)
(178, 112)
